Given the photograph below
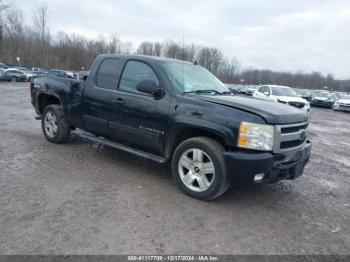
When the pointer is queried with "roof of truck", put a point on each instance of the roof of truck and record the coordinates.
(144, 57)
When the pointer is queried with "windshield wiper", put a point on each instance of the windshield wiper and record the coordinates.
(204, 91)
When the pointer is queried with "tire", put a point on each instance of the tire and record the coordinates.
(203, 180)
(13, 79)
(55, 127)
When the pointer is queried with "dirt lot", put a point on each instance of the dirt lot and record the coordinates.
(84, 198)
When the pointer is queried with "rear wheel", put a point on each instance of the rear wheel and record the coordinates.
(199, 168)
(13, 79)
(55, 127)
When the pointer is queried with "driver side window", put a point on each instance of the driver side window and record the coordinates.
(134, 73)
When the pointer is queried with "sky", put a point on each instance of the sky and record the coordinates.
(281, 35)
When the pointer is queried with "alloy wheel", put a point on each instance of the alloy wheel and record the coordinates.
(196, 169)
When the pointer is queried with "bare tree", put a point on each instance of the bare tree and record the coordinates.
(40, 20)
(127, 47)
(3, 7)
(150, 48)
(74, 52)
(211, 58)
(16, 32)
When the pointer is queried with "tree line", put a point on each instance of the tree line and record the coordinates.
(36, 46)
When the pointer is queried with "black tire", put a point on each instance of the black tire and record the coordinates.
(215, 151)
(13, 79)
(63, 128)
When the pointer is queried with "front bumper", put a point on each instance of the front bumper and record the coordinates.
(321, 103)
(244, 165)
(342, 107)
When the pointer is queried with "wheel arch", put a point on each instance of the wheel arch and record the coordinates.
(45, 99)
(185, 132)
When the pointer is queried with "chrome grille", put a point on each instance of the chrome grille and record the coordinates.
(290, 137)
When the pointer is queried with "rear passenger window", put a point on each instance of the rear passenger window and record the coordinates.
(134, 73)
(107, 75)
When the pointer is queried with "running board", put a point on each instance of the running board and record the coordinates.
(122, 147)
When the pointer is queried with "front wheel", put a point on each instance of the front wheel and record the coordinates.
(13, 79)
(199, 168)
(55, 127)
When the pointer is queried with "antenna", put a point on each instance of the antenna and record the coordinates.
(183, 62)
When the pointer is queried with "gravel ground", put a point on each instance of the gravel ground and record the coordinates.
(84, 198)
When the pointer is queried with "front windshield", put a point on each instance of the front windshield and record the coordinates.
(283, 91)
(191, 78)
(303, 92)
(324, 95)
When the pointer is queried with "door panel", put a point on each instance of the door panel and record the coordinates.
(98, 97)
(97, 103)
(139, 119)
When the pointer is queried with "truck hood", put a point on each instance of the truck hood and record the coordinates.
(271, 112)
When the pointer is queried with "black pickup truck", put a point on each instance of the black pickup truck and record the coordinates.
(169, 110)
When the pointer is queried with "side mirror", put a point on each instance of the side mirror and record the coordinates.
(149, 87)
(266, 94)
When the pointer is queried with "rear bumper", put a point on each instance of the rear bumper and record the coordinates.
(243, 166)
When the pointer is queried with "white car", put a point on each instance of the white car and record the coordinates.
(342, 104)
(282, 94)
(29, 75)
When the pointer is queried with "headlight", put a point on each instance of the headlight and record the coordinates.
(255, 136)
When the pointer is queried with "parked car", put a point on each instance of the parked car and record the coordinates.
(169, 110)
(13, 75)
(3, 66)
(282, 94)
(22, 68)
(323, 99)
(29, 75)
(39, 70)
(242, 89)
(59, 73)
(70, 74)
(251, 90)
(342, 104)
(304, 93)
(83, 75)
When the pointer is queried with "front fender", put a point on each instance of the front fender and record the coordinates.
(199, 127)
